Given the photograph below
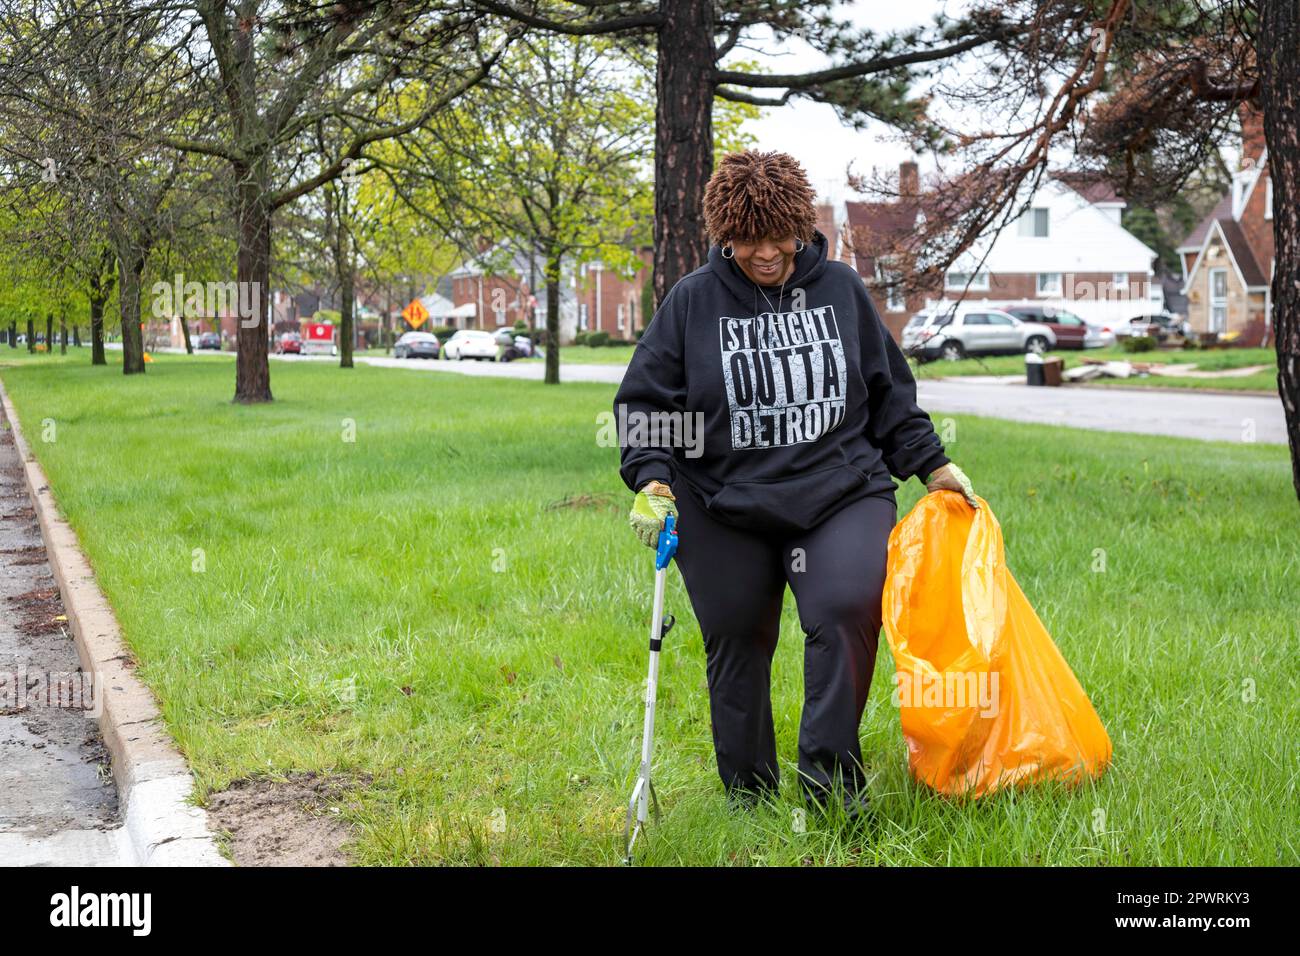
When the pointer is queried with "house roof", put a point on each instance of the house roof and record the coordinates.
(1090, 186)
(1196, 238)
(868, 221)
(1241, 252)
(1220, 217)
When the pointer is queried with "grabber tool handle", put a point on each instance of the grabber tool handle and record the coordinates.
(667, 543)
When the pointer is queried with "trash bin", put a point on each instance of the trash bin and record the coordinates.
(1052, 368)
(1033, 369)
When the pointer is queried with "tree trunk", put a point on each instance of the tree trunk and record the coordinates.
(97, 330)
(1278, 39)
(347, 279)
(552, 319)
(252, 368)
(63, 335)
(128, 283)
(31, 336)
(13, 334)
(49, 333)
(683, 139)
(76, 336)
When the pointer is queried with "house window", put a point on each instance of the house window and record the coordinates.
(582, 316)
(1033, 222)
(1268, 198)
(894, 301)
(1119, 282)
(501, 316)
(621, 309)
(1049, 283)
(888, 278)
(1218, 300)
(957, 280)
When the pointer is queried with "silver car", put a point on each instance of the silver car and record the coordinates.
(953, 333)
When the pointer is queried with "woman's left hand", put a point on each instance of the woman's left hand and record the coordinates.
(951, 478)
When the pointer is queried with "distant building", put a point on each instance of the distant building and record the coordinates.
(1228, 259)
(1067, 249)
(592, 296)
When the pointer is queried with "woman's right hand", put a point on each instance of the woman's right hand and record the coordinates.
(653, 503)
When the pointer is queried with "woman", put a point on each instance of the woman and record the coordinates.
(807, 407)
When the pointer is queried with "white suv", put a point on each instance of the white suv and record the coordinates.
(953, 332)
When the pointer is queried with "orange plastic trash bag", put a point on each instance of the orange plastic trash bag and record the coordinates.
(986, 699)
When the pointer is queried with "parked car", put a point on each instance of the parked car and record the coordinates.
(290, 343)
(1159, 326)
(1071, 331)
(209, 340)
(953, 332)
(417, 345)
(471, 343)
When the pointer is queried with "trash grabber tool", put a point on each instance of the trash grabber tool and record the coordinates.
(643, 793)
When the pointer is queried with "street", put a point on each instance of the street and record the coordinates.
(1185, 414)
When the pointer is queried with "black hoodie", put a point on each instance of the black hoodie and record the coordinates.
(806, 403)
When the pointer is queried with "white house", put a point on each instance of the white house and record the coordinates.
(1068, 249)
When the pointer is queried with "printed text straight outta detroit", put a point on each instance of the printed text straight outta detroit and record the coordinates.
(784, 374)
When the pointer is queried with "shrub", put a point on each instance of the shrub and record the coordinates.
(639, 332)
(597, 339)
(1138, 343)
(581, 338)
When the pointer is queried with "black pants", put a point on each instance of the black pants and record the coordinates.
(736, 581)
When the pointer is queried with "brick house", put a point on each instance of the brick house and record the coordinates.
(592, 297)
(1228, 258)
(1068, 249)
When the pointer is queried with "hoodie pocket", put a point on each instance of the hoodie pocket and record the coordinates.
(794, 503)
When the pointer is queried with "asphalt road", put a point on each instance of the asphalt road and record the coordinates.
(1184, 414)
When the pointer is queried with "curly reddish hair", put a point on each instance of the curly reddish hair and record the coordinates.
(754, 195)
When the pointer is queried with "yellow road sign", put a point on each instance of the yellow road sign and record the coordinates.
(415, 314)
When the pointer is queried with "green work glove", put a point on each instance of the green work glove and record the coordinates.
(951, 478)
(653, 503)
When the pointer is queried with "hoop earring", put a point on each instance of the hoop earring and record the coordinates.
(800, 247)
(724, 251)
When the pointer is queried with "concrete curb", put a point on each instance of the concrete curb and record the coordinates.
(153, 779)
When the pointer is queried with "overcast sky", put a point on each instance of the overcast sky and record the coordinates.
(812, 132)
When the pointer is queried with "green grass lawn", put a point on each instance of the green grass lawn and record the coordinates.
(601, 355)
(1255, 382)
(465, 566)
(1208, 360)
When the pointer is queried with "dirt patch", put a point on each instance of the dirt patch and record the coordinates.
(290, 821)
(41, 609)
(597, 500)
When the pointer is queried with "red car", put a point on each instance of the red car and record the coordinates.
(1071, 331)
(289, 343)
